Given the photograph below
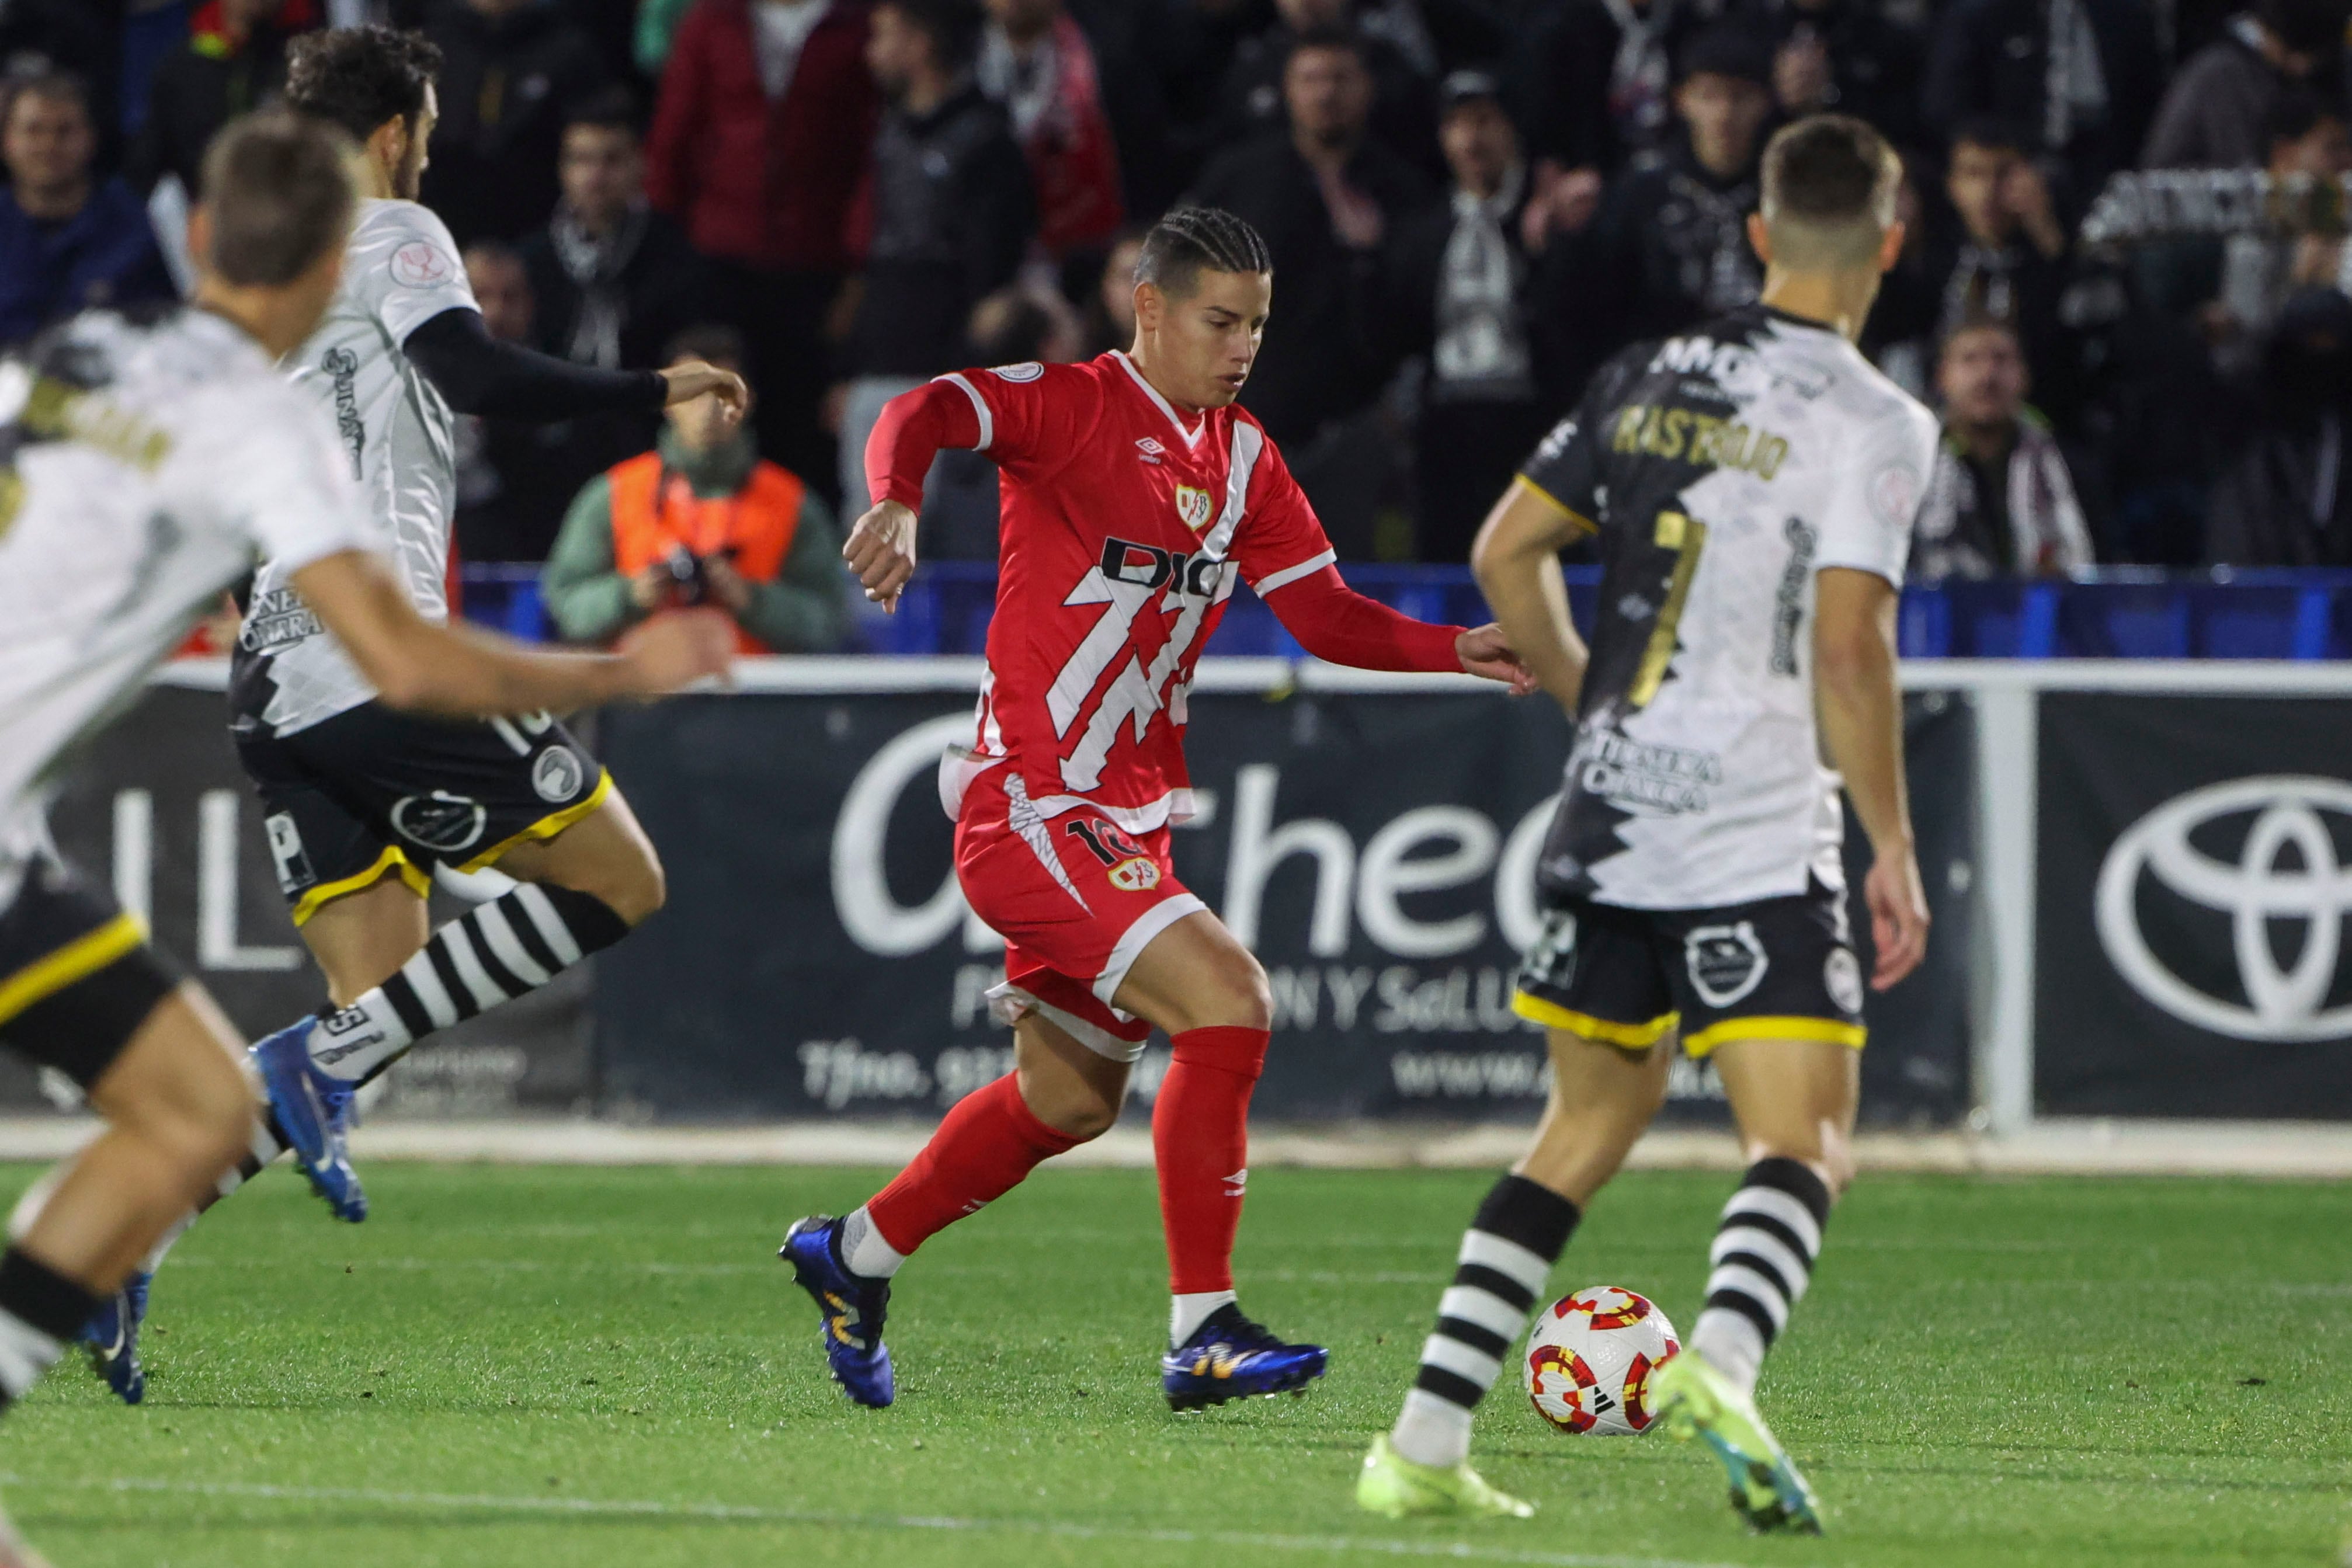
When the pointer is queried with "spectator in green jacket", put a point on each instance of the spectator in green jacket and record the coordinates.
(701, 519)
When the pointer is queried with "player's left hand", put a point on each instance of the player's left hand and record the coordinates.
(1484, 652)
(693, 379)
(671, 653)
(1898, 915)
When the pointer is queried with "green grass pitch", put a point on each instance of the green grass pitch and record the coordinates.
(580, 1367)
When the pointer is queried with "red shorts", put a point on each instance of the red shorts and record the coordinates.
(1076, 899)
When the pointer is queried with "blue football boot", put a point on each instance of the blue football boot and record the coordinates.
(851, 1306)
(112, 1336)
(314, 1111)
(1230, 1357)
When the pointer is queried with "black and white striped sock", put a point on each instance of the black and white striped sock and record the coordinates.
(494, 953)
(41, 1311)
(1507, 1257)
(1761, 1261)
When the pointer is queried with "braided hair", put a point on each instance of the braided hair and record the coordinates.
(1191, 238)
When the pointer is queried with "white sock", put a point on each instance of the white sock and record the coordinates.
(488, 956)
(864, 1250)
(1729, 1342)
(1432, 1430)
(163, 1245)
(1187, 1314)
(357, 1040)
(25, 1353)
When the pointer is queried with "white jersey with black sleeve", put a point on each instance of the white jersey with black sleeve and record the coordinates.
(1723, 469)
(398, 438)
(146, 466)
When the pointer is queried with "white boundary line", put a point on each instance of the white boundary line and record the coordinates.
(2272, 1150)
(1454, 1550)
(854, 675)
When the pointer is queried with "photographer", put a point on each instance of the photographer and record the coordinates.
(701, 519)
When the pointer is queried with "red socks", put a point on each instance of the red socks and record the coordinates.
(1199, 1132)
(985, 1145)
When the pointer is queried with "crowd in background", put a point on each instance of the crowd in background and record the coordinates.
(1470, 203)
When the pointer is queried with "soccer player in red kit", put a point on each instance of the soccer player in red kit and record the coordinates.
(1136, 496)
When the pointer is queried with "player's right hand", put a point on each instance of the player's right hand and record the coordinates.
(671, 653)
(1898, 915)
(881, 551)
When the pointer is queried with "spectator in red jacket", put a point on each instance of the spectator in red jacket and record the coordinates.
(759, 142)
(1036, 62)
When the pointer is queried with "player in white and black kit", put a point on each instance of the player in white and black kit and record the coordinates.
(364, 802)
(1753, 483)
(146, 463)
(361, 803)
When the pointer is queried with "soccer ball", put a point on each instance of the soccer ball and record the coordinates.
(1589, 1359)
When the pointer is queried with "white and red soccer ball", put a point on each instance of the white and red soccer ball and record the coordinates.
(1589, 1358)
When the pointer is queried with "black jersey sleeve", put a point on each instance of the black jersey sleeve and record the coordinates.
(478, 373)
(1566, 466)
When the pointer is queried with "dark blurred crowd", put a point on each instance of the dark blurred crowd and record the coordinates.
(1470, 203)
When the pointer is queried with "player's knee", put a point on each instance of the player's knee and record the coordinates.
(1828, 1153)
(632, 885)
(1244, 995)
(1085, 1120)
(644, 889)
(198, 1121)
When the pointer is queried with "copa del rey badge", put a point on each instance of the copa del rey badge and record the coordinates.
(1193, 506)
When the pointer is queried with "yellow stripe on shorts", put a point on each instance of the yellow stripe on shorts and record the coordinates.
(76, 960)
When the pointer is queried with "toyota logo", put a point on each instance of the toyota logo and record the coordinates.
(2282, 1003)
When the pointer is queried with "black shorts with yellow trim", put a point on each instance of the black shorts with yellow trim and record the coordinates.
(1779, 968)
(77, 976)
(374, 792)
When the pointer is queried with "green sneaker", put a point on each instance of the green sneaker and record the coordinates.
(1393, 1485)
(1767, 1491)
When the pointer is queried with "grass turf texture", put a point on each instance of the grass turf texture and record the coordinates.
(567, 1366)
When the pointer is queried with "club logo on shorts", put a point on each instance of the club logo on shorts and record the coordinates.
(1726, 962)
(1134, 875)
(285, 853)
(558, 775)
(1193, 506)
(442, 822)
(1841, 974)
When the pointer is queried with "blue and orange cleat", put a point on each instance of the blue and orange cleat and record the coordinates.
(1230, 1357)
(851, 1306)
(314, 1110)
(112, 1336)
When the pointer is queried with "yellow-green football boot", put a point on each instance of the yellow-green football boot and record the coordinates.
(1768, 1490)
(1394, 1485)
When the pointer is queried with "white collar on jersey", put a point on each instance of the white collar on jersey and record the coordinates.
(1193, 436)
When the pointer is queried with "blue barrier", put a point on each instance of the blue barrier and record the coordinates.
(505, 595)
(2118, 613)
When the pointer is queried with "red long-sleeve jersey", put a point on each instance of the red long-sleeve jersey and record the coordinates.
(1124, 527)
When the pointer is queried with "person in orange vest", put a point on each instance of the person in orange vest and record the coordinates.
(701, 519)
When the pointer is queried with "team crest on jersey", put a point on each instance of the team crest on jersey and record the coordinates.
(1026, 370)
(420, 264)
(1134, 875)
(1194, 507)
